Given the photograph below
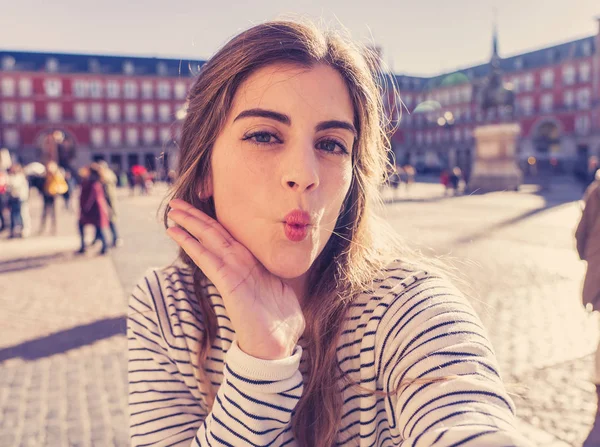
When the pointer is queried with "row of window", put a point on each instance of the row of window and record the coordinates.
(115, 137)
(98, 136)
(445, 97)
(457, 135)
(580, 99)
(570, 76)
(92, 112)
(53, 87)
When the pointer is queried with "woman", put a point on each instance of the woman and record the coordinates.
(93, 208)
(290, 321)
(54, 185)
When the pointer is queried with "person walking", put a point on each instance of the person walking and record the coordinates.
(93, 208)
(109, 181)
(18, 194)
(587, 236)
(3, 198)
(54, 185)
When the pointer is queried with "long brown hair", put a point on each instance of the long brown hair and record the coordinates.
(354, 254)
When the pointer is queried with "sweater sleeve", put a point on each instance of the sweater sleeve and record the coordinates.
(253, 405)
(441, 373)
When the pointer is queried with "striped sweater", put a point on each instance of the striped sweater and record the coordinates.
(413, 325)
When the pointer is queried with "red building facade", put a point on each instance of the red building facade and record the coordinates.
(124, 110)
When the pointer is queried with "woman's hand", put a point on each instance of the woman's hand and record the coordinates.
(264, 312)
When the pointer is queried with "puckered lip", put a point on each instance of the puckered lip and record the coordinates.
(297, 218)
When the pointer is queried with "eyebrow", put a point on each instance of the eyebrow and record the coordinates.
(284, 119)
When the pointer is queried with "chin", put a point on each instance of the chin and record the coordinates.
(288, 265)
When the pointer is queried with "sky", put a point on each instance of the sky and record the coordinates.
(418, 37)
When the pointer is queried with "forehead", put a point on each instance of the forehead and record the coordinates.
(318, 92)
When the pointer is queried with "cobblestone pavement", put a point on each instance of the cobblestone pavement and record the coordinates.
(62, 353)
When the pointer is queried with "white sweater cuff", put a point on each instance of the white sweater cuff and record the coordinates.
(256, 369)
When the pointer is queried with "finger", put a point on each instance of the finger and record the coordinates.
(178, 204)
(208, 262)
(207, 233)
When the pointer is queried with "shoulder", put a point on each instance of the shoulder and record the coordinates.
(166, 297)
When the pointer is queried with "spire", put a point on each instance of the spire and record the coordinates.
(495, 62)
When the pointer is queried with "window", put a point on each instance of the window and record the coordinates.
(53, 87)
(81, 88)
(27, 112)
(165, 135)
(457, 134)
(114, 136)
(569, 99)
(97, 136)
(131, 113)
(516, 84)
(466, 94)
(419, 137)
(114, 112)
(52, 64)
(584, 72)
(97, 112)
(164, 112)
(164, 90)
(586, 48)
(113, 89)
(518, 63)
(80, 111)
(547, 78)
(583, 98)
(568, 75)
(8, 63)
(128, 68)
(132, 137)
(147, 91)
(8, 87)
(131, 90)
(11, 138)
(528, 82)
(96, 89)
(25, 87)
(428, 138)
(582, 125)
(149, 135)
(180, 90)
(148, 113)
(9, 112)
(527, 105)
(467, 133)
(547, 103)
(455, 95)
(54, 111)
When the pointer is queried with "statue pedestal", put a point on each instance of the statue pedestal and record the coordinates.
(495, 167)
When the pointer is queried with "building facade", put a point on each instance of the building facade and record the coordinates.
(556, 102)
(125, 110)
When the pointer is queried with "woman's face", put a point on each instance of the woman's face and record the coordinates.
(286, 145)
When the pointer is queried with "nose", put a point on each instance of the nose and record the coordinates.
(301, 169)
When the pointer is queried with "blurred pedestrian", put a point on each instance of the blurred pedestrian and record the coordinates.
(590, 175)
(109, 181)
(54, 185)
(588, 247)
(93, 208)
(455, 179)
(18, 194)
(70, 187)
(3, 198)
(445, 180)
(410, 174)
